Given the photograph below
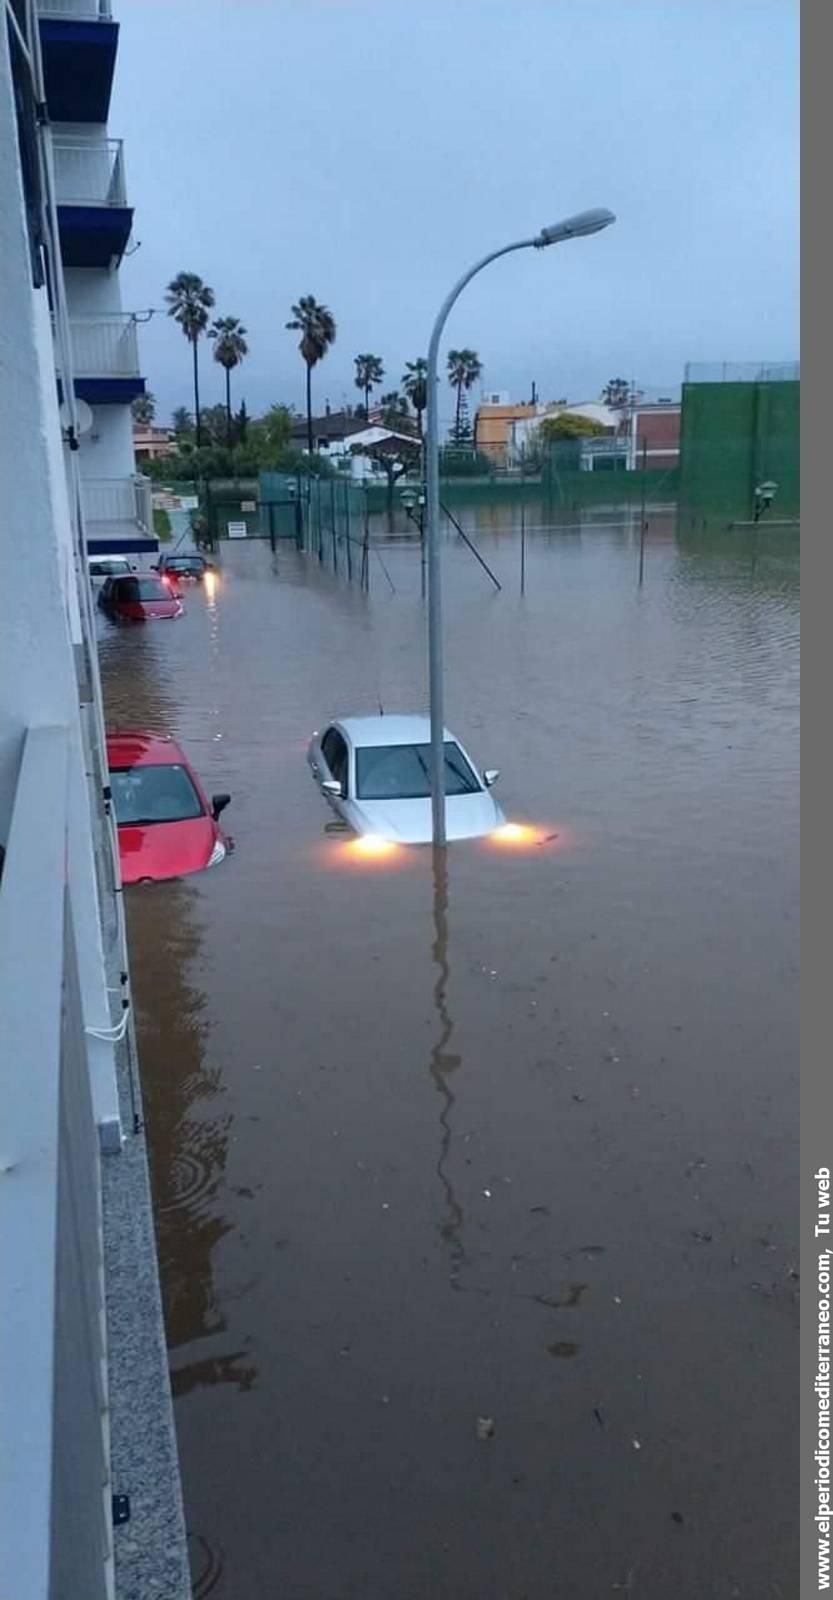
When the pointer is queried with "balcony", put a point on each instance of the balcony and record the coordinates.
(105, 359)
(80, 10)
(78, 43)
(94, 219)
(118, 515)
(55, 1516)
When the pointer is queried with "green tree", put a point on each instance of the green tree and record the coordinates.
(182, 423)
(369, 373)
(268, 436)
(144, 409)
(395, 457)
(189, 302)
(414, 384)
(464, 369)
(394, 408)
(568, 425)
(230, 347)
(213, 426)
(316, 325)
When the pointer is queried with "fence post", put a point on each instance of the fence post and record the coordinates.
(642, 513)
(347, 514)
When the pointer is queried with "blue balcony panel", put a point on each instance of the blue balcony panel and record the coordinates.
(78, 63)
(106, 391)
(93, 236)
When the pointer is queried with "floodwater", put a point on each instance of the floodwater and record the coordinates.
(476, 1182)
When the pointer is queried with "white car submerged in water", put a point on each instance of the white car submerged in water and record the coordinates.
(376, 774)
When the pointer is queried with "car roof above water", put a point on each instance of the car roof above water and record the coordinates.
(129, 748)
(368, 731)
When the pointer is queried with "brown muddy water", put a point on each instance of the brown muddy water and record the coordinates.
(476, 1185)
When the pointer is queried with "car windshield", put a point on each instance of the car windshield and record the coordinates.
(403, 772)
(133, 589)
(154, 794)
(107, 569)
(185, 564)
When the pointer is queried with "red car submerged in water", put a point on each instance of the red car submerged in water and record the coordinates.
(167, 826)
(144, 598)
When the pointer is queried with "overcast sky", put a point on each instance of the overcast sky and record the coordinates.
(366, 151)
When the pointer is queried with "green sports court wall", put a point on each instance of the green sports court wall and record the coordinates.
(734, 436)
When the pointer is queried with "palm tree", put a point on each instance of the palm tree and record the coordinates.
(616, 392)
(464, 369)
(189, 302)
(414, 384)
(230, 347)
(144, 408)
(394, 407)
(316, 325)
(181, 422)
(369, 372)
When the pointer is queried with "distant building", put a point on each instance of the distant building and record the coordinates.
(494, 424)
(327, 431)
(654, 430)
(523, 430)
(152, 444)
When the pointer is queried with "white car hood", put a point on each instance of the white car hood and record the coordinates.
(467, 816)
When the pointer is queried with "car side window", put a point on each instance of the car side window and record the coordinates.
(334, 751)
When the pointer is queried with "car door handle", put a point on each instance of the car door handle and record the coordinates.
(315, 769)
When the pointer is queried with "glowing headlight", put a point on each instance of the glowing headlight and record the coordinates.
(218, 854)
(372, 844)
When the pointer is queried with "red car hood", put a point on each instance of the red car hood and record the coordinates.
(165, 849)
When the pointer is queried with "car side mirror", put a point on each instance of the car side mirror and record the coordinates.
(491, 776)
(219, 803)
(331, 786)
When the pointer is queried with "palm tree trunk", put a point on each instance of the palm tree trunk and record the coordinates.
(228, 407)
(367, 404)
(419, 423)
(309, 408)
(197, 396)
(457, 414)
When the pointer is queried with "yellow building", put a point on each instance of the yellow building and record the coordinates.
(493, 427)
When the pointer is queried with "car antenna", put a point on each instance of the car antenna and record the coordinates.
(381, 707)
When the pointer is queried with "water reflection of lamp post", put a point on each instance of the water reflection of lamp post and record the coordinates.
(410, 499)
(442, 1064)
(571, 228)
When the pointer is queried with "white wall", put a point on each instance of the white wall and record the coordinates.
(107, 450)
(91, 290)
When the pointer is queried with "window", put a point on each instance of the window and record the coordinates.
(154, 794)
(101, 566)
(131, 590)
(403, 772)
(334, 751)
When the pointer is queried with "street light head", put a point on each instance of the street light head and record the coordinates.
(576, 227)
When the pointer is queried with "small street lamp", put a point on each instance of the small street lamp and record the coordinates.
(576, 227)
(764, 495)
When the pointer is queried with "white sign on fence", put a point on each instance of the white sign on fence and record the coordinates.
(248, 505)
(237, 530)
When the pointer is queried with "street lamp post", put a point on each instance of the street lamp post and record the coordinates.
(571, 228)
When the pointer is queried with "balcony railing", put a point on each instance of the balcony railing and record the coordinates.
(55, 1521)
(88, 174)
(110, 501)
(104, 347)
(83, 10)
